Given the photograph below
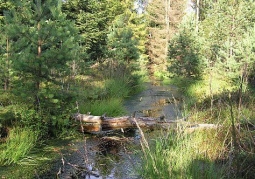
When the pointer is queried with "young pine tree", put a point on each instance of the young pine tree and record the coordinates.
(43, 44)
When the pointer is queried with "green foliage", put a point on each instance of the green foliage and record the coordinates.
(223, 45)
(121, 42)
(92, 18)
(44, 43)
(38, 47)
(19, 143)
(185, 57)
(227, 26)
(4, 5)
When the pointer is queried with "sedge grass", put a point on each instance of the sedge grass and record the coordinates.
(180, 155)
(112, 107)
(18, 144)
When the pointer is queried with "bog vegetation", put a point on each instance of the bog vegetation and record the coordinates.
(62, 57)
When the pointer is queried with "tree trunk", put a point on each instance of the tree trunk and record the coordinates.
(197, 15)
(7, 76)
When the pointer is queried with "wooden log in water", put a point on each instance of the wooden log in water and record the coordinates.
(93, 124)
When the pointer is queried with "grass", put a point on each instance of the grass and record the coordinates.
(227, 152)
(41, 162)
(180, 155)
(112, 107)
(108, 95)
(18, 144)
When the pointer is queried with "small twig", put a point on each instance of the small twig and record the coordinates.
(36, 174)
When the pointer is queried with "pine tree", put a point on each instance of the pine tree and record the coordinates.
(43, 42)
(122, 43)
(225, 26)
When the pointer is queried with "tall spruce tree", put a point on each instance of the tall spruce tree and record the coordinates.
(121, 37)
(163, 17)
(122, 41)
(43, 42)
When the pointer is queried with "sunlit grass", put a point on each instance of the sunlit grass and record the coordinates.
(203, 88)
(108, 97)
(40, 162)
(112, 107)
(18, 144)
(218, 101)
(180, 155)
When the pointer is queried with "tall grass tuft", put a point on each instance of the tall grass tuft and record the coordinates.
(112, 107)
(18, 144)
(179, 155)
(117, 88)
(109, 97)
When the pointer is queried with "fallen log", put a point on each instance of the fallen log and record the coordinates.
(92, 123)
(97, 124)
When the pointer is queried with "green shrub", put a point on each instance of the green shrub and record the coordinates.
(117, 88)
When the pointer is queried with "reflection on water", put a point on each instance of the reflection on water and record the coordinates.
(155, 101)
(108, 157)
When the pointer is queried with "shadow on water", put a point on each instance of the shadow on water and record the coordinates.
(107, 157)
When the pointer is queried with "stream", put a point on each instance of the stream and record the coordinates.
(110, 156)
(118, 159)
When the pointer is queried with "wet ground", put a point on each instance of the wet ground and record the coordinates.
(117, 156)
